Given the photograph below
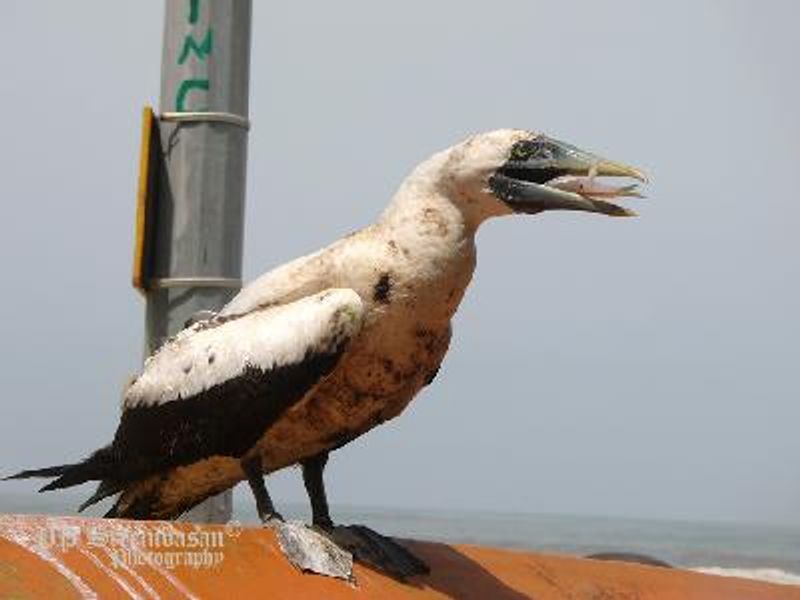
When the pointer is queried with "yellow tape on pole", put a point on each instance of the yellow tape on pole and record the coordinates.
(144, 200)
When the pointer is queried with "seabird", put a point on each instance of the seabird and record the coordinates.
(319, 351)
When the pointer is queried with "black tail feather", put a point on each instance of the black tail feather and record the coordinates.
(78, 473)
(112, 512)
(138, 509)
(98, 466)
(45, 472)
(106, 488)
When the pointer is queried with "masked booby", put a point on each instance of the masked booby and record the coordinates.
(317, 352)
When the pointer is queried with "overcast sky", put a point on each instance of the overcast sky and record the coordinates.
(643, 367)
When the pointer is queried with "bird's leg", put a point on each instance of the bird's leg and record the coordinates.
(305, 548)
(315, 487)
(255, 477)
(366, 545)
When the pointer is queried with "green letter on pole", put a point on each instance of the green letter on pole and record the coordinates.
(194, 11)
(187, 86)
(202, 50)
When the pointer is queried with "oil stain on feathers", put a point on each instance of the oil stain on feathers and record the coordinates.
(382, 289)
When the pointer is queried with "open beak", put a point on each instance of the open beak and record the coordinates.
(554, 175)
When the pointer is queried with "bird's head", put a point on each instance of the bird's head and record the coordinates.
(514, 171)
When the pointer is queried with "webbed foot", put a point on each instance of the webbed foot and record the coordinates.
(372, 549)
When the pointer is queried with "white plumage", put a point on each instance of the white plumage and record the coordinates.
(213, 352)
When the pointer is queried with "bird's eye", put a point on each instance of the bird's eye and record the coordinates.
(522, 150)
(528, 149)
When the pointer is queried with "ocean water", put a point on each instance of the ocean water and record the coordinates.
(759, 551)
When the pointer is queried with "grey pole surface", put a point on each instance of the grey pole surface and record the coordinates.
(199, 208)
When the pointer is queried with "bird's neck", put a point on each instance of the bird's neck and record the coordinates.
(423, 216)
(426, 191)
(436, 239)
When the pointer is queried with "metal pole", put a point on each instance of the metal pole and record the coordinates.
(199, 208)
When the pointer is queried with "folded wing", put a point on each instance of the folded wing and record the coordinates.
(216, 387)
